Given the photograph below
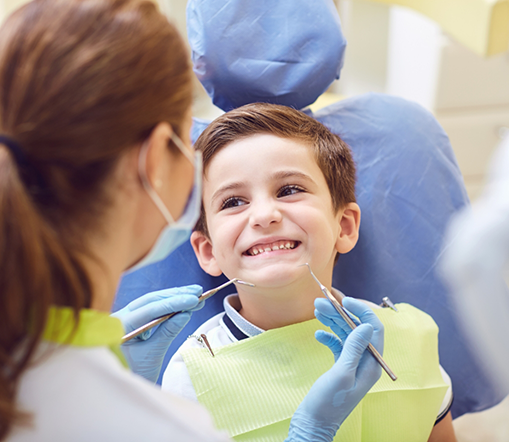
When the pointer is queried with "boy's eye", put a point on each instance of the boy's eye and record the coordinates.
(289, 190)
(233, 201)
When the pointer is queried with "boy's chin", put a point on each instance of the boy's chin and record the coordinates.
(274, 277)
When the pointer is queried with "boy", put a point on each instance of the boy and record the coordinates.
(279, 191)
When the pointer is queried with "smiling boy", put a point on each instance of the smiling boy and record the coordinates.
(279, 191)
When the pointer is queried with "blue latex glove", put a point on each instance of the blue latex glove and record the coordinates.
(338, 391)
(145, 353)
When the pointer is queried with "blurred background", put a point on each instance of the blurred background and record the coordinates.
(450, 56)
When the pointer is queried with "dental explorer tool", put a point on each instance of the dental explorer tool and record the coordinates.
(201, 298)
(341, 310)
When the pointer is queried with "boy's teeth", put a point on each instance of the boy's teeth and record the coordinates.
(279, 245)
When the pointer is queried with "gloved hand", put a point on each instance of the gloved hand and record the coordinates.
(145, 353)
(338, 391)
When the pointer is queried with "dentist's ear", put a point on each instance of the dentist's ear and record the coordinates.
(157, 154)
(203, 250)
(349, 219)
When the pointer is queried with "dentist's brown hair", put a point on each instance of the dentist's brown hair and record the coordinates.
(81, 82)
(332, 154)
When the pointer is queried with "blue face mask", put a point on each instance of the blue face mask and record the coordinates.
(177, 232)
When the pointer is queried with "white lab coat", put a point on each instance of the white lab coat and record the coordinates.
(78, 394)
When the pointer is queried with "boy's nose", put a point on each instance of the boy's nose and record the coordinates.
(264, 214)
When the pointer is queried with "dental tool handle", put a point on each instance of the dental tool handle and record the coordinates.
(146, 327)
(157, 321)
(341, 310)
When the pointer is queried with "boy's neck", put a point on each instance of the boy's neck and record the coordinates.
(274, 308)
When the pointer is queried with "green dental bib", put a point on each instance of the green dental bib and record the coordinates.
(253, 387)
(94, 329)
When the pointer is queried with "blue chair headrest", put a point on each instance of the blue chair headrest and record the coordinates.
(265, 50)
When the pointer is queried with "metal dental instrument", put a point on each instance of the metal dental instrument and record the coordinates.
(341, 310)
(202, 339)
(387, 303)
(201, 298)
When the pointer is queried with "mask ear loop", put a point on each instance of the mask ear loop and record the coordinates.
(180, 144)
(142, 167)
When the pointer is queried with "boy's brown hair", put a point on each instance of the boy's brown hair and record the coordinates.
(332, 154)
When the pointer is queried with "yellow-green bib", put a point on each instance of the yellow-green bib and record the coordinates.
(94, 329)
(253, 387)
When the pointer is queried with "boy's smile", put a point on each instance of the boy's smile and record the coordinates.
(268, 210)
(272, 246)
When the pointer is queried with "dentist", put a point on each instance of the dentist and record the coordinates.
(98, 177)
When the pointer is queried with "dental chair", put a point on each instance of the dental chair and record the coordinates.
(409, 183)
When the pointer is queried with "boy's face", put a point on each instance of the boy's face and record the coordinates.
(268, 211)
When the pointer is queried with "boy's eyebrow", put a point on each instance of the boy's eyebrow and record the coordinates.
(230, 186)
(291, 174)
(277, 175)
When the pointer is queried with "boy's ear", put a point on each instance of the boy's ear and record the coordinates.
(349, 219)
(203, 250)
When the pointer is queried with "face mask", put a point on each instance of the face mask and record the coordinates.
(174, 233)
